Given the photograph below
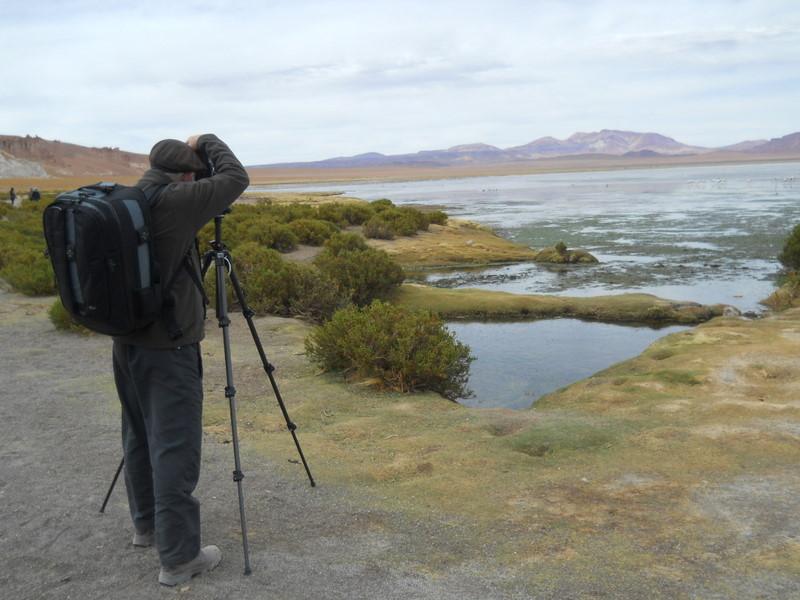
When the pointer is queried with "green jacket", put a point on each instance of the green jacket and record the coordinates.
(178, 214)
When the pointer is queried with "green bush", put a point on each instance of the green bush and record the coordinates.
(268, 280)
(381, 205)
(332, 212)
(312, 231)
(274, 286)
(392, 221)
(365, 272)
(437, 217)
(356, 213)
(316, 296)
(345, 242)
(790, 255)
(28, 271)
(265, 232)
(63, 320)
(561, 248)
(378, 228)
(405, 350)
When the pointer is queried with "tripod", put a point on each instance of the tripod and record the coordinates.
(222, 259)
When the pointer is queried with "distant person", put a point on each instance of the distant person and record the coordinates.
(158, 370)
(12, 196)
(35, 195)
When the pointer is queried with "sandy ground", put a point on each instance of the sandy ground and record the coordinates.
(59, 430)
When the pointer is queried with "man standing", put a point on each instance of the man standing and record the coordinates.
(158, 370)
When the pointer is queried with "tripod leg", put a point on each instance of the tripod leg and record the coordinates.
(113, 483)
(268, 367)
(230, 394)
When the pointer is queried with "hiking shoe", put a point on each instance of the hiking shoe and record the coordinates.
(206, 560)
(143, 540)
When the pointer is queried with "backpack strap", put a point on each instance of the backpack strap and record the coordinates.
(168, 304)
(168, 307)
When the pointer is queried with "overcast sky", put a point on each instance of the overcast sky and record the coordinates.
(296, 80)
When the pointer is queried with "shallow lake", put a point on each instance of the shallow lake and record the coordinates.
(706, 234)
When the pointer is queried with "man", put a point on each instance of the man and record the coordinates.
(158, 370)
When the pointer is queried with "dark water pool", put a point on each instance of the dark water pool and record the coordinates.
(516, 363)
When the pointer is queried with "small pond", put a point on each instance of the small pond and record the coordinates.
(516, 363)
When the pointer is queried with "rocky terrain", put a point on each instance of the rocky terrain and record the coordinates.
(34, 157)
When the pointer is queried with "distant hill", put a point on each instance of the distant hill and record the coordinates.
(787, 144)
(36, 157)
(604, 143)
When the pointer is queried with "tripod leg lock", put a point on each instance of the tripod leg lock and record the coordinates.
(224, 321)
(230, 391)
(238, 476)
(248, 313)
(270, 368)
(291, 425)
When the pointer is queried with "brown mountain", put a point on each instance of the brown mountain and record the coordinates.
(34, 156)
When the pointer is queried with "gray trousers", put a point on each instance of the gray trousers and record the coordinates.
(161, 392)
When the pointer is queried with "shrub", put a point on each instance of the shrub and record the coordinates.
(345, 242)
(268, 233)
(785, 296)
(28, 271)
(365, 273)
(312, 231)
(405, 350)
(381, 205)
(268, 281)
(378, 228)
(403, 221)
(561, 248)
(790, 255)
(332, 212)
(273, 285)
(316, 296)
(437, 217)
(391, 221)
(63, 320)
(356, 213)
(417, 217)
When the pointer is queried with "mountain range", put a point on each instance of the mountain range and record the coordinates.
(607, 143)
(35, 157)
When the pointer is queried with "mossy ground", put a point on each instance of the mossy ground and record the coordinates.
(458, 243)
(672, 468)
(486, 304)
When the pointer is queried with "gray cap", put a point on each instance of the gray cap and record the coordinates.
(175, 156)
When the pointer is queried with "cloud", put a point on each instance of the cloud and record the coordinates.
(285, 81)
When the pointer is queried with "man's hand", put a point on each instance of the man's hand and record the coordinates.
(192, 141)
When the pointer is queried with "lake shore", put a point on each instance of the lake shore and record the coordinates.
(260, 176)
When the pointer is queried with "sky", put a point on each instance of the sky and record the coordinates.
(284, 81)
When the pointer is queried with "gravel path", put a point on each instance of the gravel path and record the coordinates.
(60, 445)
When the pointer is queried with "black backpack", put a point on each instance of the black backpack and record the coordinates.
(98, 240)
